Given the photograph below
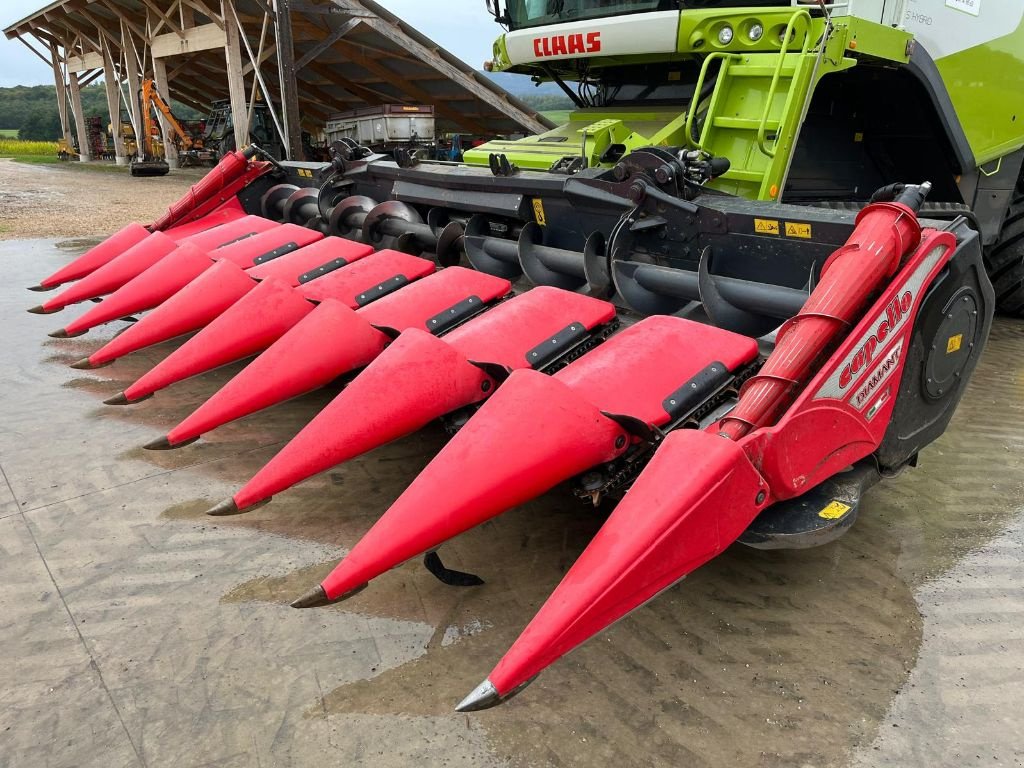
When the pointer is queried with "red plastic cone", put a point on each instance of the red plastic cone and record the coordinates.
(150, 289)
(313, 261)
(113, 274)
(695, 498)
(97, 256)
(251, 325)
(141, 257)
(418, 379)
(194, 306)
(333, 340)
(534, 433)
(378, 275)
(267, 246)
(230, 232)
(330, 341)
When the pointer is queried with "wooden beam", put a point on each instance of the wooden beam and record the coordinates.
(84, 149)
(84, 62)
(327, 42)
(289, 87)
(200, 6)
(131, 72)
(25, 42)
(166, 131)
(165, 19)
(126, 19)
(206, 37)
(359, 90)
(236, 82)
(112, 84)
(398, 80)
(62, 94)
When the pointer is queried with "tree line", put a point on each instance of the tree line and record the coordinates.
(32, 110)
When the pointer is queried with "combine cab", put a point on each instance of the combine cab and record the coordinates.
(717, 308)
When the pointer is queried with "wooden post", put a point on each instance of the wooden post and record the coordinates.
(236, 81)
(112, 83)
(160, 78)
(62, 94)
(84, 148)
(289, 86)
(134, 87)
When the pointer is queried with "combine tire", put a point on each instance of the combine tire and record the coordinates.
(1006, 261)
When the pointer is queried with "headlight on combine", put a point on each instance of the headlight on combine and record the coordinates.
(725, 35)
(756, 32)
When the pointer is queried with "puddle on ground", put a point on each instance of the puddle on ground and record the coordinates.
(188, 510)
(78, 244)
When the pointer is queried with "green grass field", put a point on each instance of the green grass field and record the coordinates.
(8, 133)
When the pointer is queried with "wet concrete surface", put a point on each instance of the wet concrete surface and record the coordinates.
(139, 631)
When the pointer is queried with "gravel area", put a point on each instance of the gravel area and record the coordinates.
(81, 202)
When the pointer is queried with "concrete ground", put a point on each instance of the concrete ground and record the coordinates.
(139, 632)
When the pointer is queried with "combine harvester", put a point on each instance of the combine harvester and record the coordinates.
(740, 322)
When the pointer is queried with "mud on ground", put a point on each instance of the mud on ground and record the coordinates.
(69, 201)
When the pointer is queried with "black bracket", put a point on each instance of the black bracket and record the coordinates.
(281, 250)
(502, 166)
(455, 315)
(551, 349)
(322, 270)
(698, 389)
(390, 285)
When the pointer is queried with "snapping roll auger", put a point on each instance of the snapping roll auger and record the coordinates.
(733, 368)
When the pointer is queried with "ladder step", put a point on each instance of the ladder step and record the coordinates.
(736, 174)
(759, 70)
(744, 123)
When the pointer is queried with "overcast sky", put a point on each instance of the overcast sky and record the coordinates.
(463, 27)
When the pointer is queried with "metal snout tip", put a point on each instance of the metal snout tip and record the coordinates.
(165, 444)
(60, 333)
(484, 696)
(85, 364)
(229, 506)
(317, 597)
(41, 288)
(225, 508)
(41, 310)
(122, 399)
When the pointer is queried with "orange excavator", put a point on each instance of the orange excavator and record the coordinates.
(147, 162)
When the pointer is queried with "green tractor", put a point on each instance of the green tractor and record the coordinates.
(811, 104)
(220, 130)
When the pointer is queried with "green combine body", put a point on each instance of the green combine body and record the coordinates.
(810, 104)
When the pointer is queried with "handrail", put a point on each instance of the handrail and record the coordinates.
(698, 90)
(762, 129)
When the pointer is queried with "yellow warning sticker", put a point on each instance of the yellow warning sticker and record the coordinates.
(798, 230)
(834, 511)
(767, 227)
(858, 138)
(954, 343)
(538, 212)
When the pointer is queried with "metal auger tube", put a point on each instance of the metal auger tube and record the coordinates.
(347, 217)
(654, 289)
(562, 268)
(494, 255)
